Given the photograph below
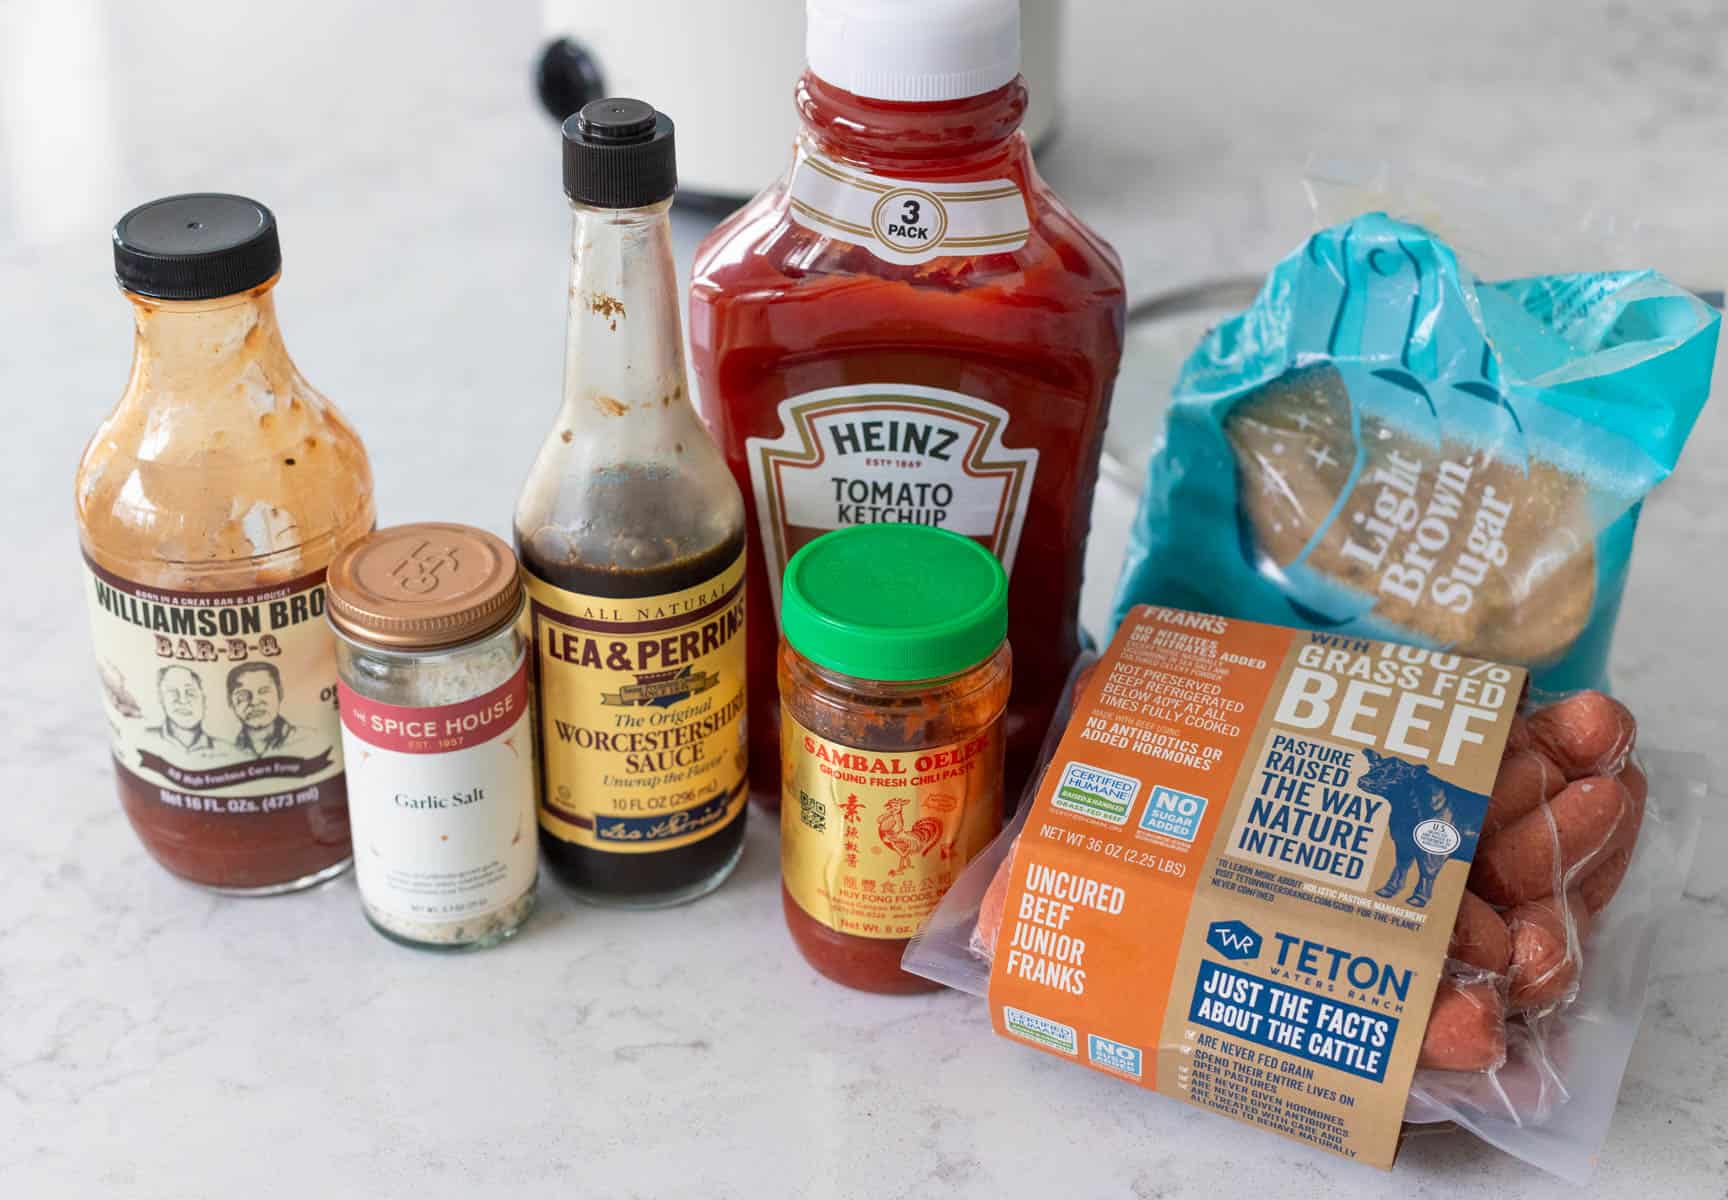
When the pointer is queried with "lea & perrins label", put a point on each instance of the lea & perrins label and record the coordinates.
(641, 713)
(1238, 880)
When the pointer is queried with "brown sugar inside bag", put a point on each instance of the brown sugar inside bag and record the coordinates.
(1385, 445)
(1517, 587)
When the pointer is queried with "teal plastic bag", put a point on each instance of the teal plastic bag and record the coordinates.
(1384, 445)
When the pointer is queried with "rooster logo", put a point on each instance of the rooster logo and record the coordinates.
(908, 841)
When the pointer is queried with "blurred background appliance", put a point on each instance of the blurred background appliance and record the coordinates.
(725, 73)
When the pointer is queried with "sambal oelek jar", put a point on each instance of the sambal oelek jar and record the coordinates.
(894, 676)
(911, 327)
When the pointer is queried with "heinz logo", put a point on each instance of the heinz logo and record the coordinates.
(891, 436)
(1233, 939)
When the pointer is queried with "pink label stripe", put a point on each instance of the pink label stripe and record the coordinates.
(441, 729)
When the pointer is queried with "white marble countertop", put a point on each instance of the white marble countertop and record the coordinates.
(156, 1041)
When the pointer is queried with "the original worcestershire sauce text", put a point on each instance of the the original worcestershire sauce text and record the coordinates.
(655, 725)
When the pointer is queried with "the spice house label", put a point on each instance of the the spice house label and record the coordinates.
(440, 830)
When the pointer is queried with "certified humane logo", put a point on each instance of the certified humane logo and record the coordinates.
(1094, 792)
(1040, 1031)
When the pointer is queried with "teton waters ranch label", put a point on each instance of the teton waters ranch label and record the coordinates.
(1237, 883)
(218, 702)
(641, 713)
(894, 453)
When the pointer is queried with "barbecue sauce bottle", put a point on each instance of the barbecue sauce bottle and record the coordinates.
(631, 533)
(209, 504)
(911, 327)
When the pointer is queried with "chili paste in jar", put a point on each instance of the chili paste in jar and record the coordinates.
(894, 676)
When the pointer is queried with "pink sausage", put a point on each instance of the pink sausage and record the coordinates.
(1547, 942)
(1479, 936)
(1587, 733)
(1466, 1028)
(1599, 886)
(1544, 850)
(1526, 779)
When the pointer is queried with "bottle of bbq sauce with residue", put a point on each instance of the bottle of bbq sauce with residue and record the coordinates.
(631, 530)
(210, 502)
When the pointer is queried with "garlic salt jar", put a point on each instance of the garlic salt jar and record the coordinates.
(438, 734)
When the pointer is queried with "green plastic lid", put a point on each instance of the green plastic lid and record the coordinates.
(894, 602)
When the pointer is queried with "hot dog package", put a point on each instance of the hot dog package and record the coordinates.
(1329, 886)
(1384, 445)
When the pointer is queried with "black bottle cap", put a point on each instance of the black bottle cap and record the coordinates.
(618, 154)
(196, 247)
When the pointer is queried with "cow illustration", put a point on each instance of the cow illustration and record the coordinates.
(1413, 795)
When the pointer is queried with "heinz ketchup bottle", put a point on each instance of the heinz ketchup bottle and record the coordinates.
(911, 327)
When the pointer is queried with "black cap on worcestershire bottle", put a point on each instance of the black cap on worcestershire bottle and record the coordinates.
(196, 247)
(618, 154)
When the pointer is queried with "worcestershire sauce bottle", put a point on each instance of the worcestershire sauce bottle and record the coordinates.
(631, 530)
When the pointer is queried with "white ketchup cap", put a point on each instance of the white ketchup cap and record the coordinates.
(914, 50)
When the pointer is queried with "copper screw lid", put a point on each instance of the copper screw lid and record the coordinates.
(423, 587)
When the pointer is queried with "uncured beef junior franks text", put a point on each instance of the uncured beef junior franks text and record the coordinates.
(1040, 948)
